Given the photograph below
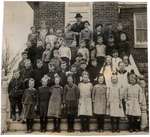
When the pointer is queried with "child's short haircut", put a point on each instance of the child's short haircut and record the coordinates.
(38, 61)
(114, 51)
(97, 25)
(32, 27)
(87, 22)
(24, 53)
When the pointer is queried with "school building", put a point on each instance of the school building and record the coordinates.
(19, 16)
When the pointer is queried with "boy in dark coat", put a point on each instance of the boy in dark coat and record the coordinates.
(27, 72)
(44, 95)
(15, 92)
(39, 50)
(62, 73)
(22, 62)
(122, 41)
(93, 70)
(51, 73)
(30, 100)
(38, 73)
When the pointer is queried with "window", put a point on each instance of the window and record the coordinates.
(140, 30)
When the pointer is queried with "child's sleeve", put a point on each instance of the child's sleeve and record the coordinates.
(93, 93)
(69, 54)
(64, 95)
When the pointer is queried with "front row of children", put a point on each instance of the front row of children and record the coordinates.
(83, 100)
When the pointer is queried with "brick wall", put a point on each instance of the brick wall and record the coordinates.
(105, 12)
(52, 12)
(140, 54)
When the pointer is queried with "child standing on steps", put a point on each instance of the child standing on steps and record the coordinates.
(134, 97)
(71, 96)
(99, 102)
(114, 103)
(30, 100)
(44, 95)
(56, 103)
(85, 102)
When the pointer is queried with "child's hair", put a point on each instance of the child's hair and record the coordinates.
(32, 27)
(100, 75)
(24, 53)
(97, 25)
(114, 51)
(86, 22)
(30, 79)
(131, 73)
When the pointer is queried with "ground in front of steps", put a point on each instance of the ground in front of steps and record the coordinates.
(78, 133)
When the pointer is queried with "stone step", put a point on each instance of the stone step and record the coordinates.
(18, 126)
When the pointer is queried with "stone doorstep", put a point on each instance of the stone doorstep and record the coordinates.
(77, 133)
(17, 126)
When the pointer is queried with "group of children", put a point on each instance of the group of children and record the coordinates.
(58, 79)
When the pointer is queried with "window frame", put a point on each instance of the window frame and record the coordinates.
(138, 44)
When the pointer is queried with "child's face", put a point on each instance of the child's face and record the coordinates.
(33, 29)
(24, 56)
(48, 46)
(28, 44)
(94, 63)
(63, 66)
(99, 28)
(101, 80)
(57, 81)
(115, 54)
(39, 64)
(123, 37)
(59, 33)
(16, 75)
(121, 66)
(100, 40)
(51, 67)
(85, 78)
(142, 83)
(86, 25)
(108, 60)
(70, 80)
(51, 30)
(83, 66)
(132, 79)
(82, 44)
(55, 53)
(73, 69)
(120, 27)
(125, 60)
(31, 83)
(27, 64)
(114, 79)
(39, 44)
(44, 82)
(92, 45)
(110, 26)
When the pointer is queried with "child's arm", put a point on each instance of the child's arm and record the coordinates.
(64, 95)
(69, 54)
(93, 93)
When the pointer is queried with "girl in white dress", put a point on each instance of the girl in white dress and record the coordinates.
(85, 102)
(114, 103)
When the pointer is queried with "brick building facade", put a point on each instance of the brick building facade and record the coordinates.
(103, 12)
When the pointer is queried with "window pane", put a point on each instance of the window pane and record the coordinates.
(141, 20)
(141, 36)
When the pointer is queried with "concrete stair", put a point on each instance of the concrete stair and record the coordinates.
(18, 126)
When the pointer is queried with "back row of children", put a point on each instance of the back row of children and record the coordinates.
(85, 80)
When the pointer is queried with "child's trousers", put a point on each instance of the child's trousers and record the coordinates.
(70, 120)
(29, 123)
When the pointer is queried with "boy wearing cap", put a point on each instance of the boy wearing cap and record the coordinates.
(15, 92)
